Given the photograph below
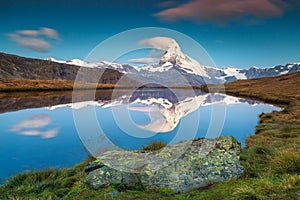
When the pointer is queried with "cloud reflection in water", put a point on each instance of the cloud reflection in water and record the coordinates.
(33, 125)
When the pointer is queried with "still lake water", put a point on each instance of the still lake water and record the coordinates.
(49, 131)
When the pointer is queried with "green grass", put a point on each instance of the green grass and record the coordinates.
(68, 184)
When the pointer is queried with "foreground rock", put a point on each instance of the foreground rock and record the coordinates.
(180, 167)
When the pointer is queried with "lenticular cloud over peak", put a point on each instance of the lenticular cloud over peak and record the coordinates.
(162, 43)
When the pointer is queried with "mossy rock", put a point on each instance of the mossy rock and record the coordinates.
(181, 167)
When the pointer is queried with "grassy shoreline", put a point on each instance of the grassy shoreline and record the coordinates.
(20, 85)
(271, 158)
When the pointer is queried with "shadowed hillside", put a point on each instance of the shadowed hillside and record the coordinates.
(16, 67)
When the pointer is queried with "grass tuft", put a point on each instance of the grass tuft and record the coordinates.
(154, 146)
(286, 161)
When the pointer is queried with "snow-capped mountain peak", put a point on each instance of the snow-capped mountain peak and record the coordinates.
(175, 56)
(171, 53)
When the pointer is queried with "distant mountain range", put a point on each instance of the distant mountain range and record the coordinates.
(174, 65)
(174, 69)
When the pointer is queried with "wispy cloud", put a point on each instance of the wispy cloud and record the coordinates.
(44, 134)
(36, 121)
(143, 60)
(158, 45)
(34, 44)
(161, 43)
(31, 126)
(49, 32)
(222, 11)
(31, 39)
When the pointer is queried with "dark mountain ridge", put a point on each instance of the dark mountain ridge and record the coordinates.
(17, 67)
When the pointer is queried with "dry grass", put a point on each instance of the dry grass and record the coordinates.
(154, 146)
(19, 85)
(282, 87)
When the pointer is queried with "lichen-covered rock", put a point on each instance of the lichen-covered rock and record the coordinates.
(180, 167)
(105, 175)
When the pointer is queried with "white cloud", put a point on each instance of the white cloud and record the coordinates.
(143, 60)
(37, 121)
(44, 134)
(158, 44)
(162, 43)
(34, 44)
(31, 126)
(49, 32)
(30, 38)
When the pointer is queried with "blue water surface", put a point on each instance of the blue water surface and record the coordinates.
(39, 138)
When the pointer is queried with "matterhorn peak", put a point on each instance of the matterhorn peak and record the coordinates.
(171, 54)
(174, 55)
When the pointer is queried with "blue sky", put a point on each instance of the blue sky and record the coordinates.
(240, 33)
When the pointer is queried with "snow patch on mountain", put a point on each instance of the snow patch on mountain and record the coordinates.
(54, 60)
(103, 64)
(156, 68)
(234, 72)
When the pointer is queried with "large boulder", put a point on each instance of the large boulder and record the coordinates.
(180, 167)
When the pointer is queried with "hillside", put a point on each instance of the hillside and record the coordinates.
(285, 87)
(16, 67)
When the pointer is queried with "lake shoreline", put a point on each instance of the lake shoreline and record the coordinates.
(24, 85)
(271, 157)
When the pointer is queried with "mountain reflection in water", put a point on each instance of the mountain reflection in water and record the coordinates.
(41, 130)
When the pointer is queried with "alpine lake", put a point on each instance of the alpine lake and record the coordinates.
(40, 131)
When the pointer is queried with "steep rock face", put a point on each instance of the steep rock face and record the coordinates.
(180, 167)
(175, 56)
